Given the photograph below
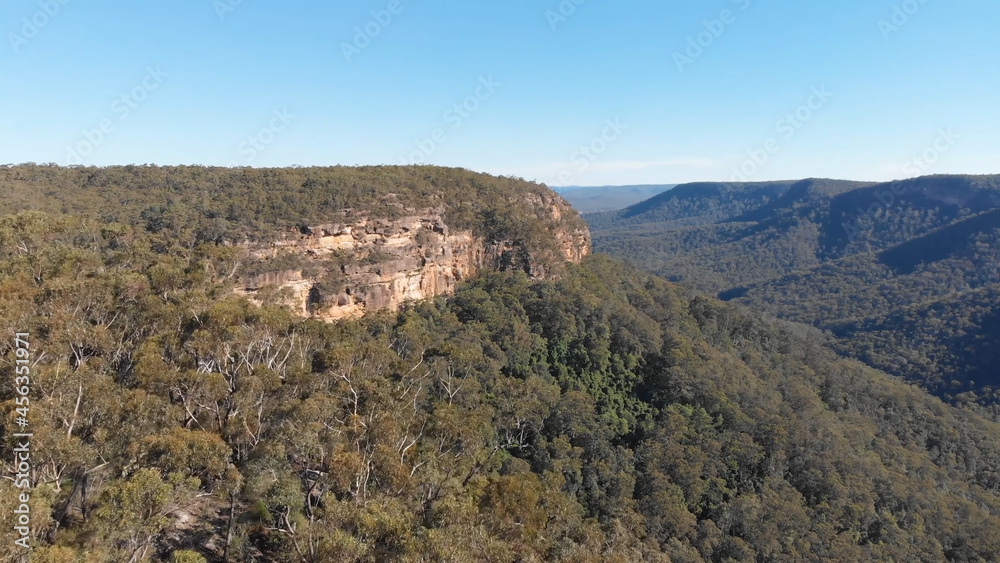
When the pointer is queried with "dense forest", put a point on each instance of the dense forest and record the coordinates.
(950, 345)
(845, 257)
(196, 203)
(608, 415)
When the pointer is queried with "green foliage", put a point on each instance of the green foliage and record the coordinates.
(607, 415)
(904, 274)
(187, 556)
(192, 204)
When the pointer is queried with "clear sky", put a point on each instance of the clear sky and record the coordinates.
(655, 91)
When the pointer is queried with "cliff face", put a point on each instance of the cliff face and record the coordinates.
(346, 269)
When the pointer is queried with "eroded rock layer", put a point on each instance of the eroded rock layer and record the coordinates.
(355, 266)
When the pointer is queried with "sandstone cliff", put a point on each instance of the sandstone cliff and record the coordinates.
(346, 268)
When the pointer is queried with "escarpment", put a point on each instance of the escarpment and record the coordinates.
(355, 265)
(330, 242)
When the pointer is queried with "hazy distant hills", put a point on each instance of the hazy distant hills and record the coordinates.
(608, 198)
(844, 256)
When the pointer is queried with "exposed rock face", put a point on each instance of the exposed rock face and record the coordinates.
(574, 243)
(362, 265)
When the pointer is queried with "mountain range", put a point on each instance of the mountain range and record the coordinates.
(903, 274)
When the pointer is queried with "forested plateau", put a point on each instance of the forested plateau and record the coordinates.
(550, 406)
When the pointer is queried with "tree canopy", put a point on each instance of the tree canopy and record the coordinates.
(606, 416)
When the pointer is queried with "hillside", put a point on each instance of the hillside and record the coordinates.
(607, 415)
(603, 415)
(829, 253)
(951, 345)
(335, 242)
(694, 204)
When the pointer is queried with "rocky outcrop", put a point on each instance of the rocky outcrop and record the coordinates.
(345, 269)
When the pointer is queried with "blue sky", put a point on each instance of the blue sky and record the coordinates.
(582, 92)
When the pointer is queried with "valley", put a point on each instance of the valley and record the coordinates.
(841, 256)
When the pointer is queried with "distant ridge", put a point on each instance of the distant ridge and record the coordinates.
(843, 256)
(592, 199)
